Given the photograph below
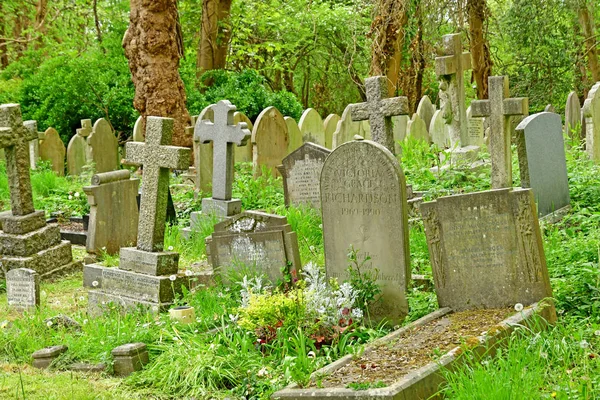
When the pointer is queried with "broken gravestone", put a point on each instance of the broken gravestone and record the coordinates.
(22, 288)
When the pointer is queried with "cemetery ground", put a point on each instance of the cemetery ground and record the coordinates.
(251, 352)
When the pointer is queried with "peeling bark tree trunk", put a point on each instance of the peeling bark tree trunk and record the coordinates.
(214, 41)
(587, 25)
(480, 48)
(387, 30)
(153, 46)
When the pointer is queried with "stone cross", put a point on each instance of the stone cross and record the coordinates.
(86, 128)
(223, 133)
(379, 110)
(14, 139)
(452, 66)
(498, 108)
(158, 158)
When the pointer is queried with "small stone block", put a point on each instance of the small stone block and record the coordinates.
(221, 208)
(92, 273)
(29, 243)
(129, 358)
(20, 224)
(44, 357)
(44, 261)
(98, 302)
(150, 263)
(85, 367)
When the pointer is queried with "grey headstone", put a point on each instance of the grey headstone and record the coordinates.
(550, 108)
(425, 109)
(34, 144)
(104, 147)
(542, 161)
(23, 288)
(572, 114)
(346, 128)
(138, 131)
(330, 125)
(270, 141)
(78, 150)
(486, 249)
(438, 130)
(400, 123)
(52, 149)
(476, 129)
(364, 205)
(591, 113)
(311, 127)
(294, 134)
(417, 129)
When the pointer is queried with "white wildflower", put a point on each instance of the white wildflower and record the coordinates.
(76, 194)
(95, 284)
(263, 372)
(233, 318)
(70, 197)
(518, 307)
(311, 354)
(170, 248)
(173, 278)
(543, 354)
(597, 333)
(175, 338)
(85, 321)
(584, 344)
(357, 314)
(49, 324)
(81, 298)
(188, 273)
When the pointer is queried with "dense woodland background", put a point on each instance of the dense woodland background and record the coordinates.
(64, 60)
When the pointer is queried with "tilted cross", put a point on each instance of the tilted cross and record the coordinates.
(454, 63)
(14, 139)
(379, 110)
(158, 158)
(86, 128)
(498, 108)
(224, 134)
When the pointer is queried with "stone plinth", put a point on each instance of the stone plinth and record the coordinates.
(129, 358)
(44, 357)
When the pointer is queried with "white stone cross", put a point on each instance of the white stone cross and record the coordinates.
(14, 138)
(379, 110)
(158, 158)
(224, 134)
(498, 108)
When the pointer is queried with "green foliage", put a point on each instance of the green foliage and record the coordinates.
(262, 193)
(366, 385)
(363, 278)
(272, 311)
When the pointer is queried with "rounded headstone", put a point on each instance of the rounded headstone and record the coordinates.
(294, 134)
(104, 147)
(243, 153)
(311, 127)
(330, 124)
(269, 140)
(53, 149)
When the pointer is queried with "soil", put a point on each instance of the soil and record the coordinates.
(71, 226)
(389, 362)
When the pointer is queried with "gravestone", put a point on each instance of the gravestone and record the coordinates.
(311, 127)
(591, 113)
(203, 154)
(498, 109)
(476, 128)
(147, 276)
(417, 129)
(104, 147)
(572, 114)
(400, 123)
(438, 130)
(346, 129)
(26, 241)
(301, 172)
(52, 149)
(542, 162)
(22, 288)
(138, 130)
(550, 108)
(379, 110)
(364, 206)
(486, 249)
(34, 144)
(270, 141)
(329, 125)
(243, 153)
(78, 151)
(113, 212)
(254, 242)
(294, 134)
(425, 110)
(450, 69)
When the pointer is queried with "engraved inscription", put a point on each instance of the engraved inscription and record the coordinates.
(22, 288)
(303, 181)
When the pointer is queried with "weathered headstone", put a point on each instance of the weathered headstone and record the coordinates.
(78, 151)
(417, 129)
(329, 125)
(52, 149)
(104, 147)
(22, 288)
(572, 114)
(25, 240)
(438, 130)
(400, 123)
(591, 112)
(243, 153)
(294, 134)
(426, 109)
(138, 130)
(203, 154)
(550, 108)
(486, 249)
(542, 162)
(301, 172)
(223, 134)
(254, 242)
(346, 128)
(270, 141)
(34, 144)
(147, 276)
(498, 109)
(364, 206)
(450, 69)
(379, 110)
(113, 219)
(311, 127)
(475, 128)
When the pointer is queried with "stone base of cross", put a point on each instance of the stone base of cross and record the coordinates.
(221, 208)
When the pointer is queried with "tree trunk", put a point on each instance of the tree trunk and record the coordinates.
(97, 24)
(389, 20)
(214, 41)
(3, 48)
(41, 10)
(153, 46)
(480, 47)
(587, 26)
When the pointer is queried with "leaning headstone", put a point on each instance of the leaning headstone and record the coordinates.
(294, 134)
(138, 130)
(301, 172)
(26, 241)
(113, 219)
(438, 130)
(34, 144)
(22, 288)
(270, 141)
(364, 206)
(311, 127)
(425, 110)
(379, 110)
(486, 249)
(476, 128)
(542, 162)
(346, 129)
(572, 114)
(104, 147)
(591, 112)
(147, 276)
(550, 108)
(78, 151)
(498, 109)
(329, 125)
(52, 149)
(417, 129)
(254, 243)
(243, 153)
